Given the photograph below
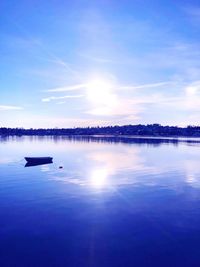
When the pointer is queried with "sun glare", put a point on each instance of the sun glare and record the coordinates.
(100, 93)
(98, 178)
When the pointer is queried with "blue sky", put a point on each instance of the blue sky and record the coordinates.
(89, 63)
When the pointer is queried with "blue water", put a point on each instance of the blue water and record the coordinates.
(115, 202)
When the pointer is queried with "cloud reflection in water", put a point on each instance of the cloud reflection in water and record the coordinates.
(108, 166)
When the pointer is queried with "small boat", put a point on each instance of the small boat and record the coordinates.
(35, 161)
(38, 159)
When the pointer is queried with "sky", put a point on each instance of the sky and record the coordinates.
(99, 62)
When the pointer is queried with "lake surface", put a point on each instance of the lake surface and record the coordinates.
(116, 202)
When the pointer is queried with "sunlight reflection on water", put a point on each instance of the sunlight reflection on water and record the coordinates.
(101, 164)
(99, 178)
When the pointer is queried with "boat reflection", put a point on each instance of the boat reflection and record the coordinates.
(28, 164)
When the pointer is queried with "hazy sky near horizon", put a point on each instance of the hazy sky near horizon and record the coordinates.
(99, 62)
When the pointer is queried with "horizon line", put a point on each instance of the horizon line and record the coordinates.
(86, 127)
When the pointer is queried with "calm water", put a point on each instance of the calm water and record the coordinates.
(115, 202)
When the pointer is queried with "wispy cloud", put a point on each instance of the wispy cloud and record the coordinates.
(117, 87)
(107, 99)
(48, 99)
(4, 108)
(192, 96)
(193, 89)
(131, 109)
(97, 59)
(188, 101)
(148, 85)
(60, 102)
(121, 108)
(121, 103)
(68, 88)
(30, 40)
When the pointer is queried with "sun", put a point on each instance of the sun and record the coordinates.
(98, 91)
(100, 94)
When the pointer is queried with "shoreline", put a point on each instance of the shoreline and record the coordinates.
(98, 136)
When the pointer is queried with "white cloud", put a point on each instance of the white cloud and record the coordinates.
(122, 107)
(48, 99)
(85, 85)
(68, 88)
(148, 85)
(60, 103)
(4, 108)
(106, 98)
(193, 89)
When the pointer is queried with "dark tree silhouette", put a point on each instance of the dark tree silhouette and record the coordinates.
(136, 130)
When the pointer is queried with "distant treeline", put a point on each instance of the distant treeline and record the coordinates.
(140, 130)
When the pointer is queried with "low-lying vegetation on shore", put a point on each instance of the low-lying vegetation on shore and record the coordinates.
(139, 130)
